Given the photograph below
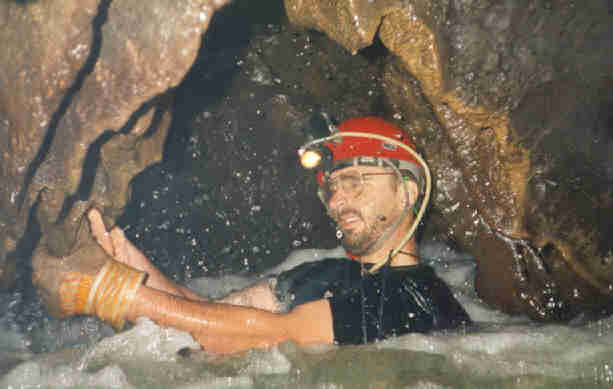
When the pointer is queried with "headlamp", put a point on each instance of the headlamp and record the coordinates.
(315, 155)
(309, 159)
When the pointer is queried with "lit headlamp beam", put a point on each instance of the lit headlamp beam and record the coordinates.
(310, 158)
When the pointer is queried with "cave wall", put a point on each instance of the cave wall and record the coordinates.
(500, 167)
(500, 96)
(84, 85)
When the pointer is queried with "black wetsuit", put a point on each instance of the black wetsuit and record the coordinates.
(393, 301)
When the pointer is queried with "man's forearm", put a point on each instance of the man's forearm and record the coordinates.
(220, 328)
(225, 328)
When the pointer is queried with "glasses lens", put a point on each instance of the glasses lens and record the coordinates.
(349, 183)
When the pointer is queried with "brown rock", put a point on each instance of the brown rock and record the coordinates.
(85, 84)
(475, 63)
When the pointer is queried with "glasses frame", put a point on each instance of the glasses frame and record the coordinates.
(321, 192)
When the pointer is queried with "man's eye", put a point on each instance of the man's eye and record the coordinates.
(352, 183)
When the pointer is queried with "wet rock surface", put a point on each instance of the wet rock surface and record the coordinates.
(477, 63)
(233, 197)
(569, 204)
(83, 108)
(510, 106)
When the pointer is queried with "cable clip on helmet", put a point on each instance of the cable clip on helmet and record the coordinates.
(369, 141)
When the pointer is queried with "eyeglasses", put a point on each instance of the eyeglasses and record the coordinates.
(350, 183)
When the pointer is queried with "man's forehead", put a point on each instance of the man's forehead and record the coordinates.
(358, 169)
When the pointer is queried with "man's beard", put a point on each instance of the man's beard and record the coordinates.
(361, 242)
(358, 243)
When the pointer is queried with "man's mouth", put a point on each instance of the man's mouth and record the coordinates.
(348, 219)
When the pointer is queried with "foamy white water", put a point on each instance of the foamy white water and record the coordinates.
(501, 352)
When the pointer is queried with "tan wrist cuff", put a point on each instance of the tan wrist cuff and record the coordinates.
(112, 293)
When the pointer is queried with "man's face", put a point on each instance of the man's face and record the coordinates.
(364, 209)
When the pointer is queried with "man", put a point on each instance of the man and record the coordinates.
(371, 181)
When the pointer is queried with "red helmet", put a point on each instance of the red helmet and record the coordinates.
(349, 150)
(375, 142)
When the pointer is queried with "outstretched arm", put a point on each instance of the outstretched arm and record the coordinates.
(224, 328)
(122, 250)
(89, 282)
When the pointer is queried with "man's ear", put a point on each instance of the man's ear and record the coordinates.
(409, 193)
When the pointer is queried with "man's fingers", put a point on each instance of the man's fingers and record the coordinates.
(126, 252)
(99, 231)
(119, 243)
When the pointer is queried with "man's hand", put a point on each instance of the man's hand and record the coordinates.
(116, 244)
(99, 232)
(122, 250)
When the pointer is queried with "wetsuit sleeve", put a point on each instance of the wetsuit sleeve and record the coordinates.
(309, 282)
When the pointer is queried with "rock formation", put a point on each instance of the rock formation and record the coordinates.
(510, 87)
(510, 105)
(84, 84)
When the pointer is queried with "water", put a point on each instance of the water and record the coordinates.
(500, 351)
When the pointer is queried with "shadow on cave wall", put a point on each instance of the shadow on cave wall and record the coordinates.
(190, 213)
(34, 230)
(228, 34)
(569, 124)
(229, 195)
(88, 66)
(167, 213)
